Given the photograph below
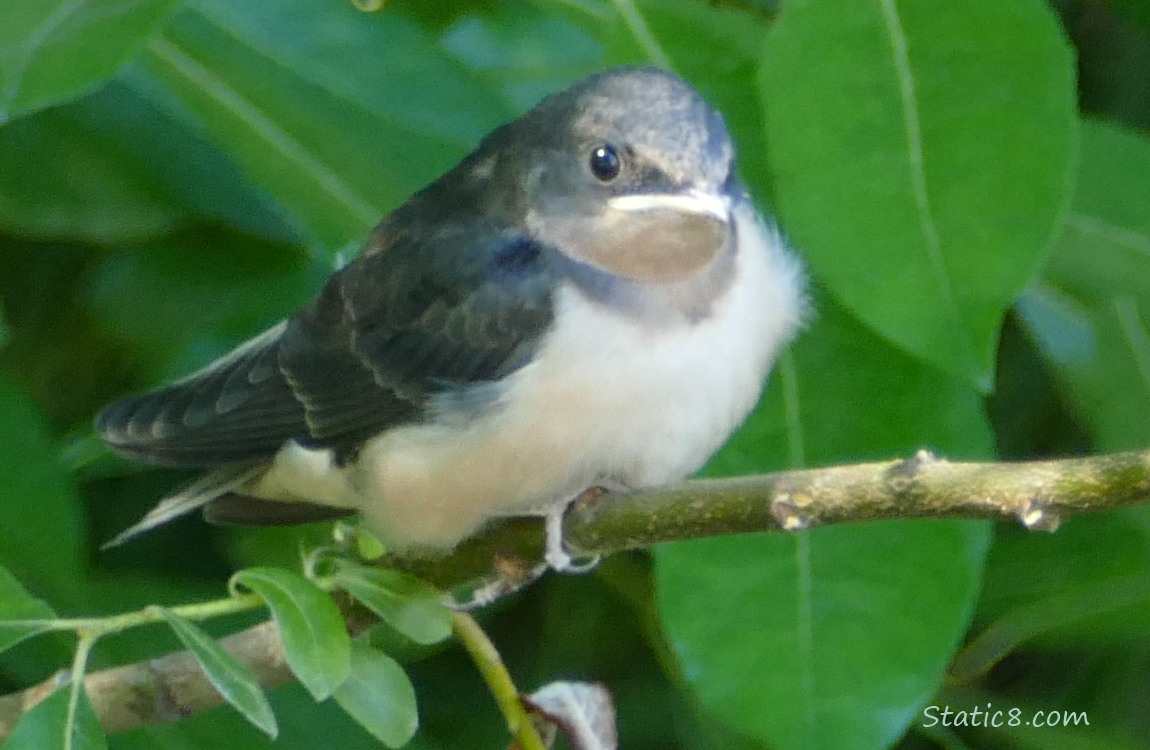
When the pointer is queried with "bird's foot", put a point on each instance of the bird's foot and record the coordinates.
(557, 555)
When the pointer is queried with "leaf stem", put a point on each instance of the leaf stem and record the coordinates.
(494, 671)
(79, 667)
(97, 627)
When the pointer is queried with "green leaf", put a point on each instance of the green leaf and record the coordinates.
(59, 179)
(404, 602)
(16, 604)
(39, 503)
(113, 168)
(834, 637)
(463, 109)
(1025, 622)
(380, 697)
(46, 726)
(251, 285)
(1062, 590)
(1090, 314)
(315, 639)
(525, 51)
(53, 50)
(3, 326)
(924, 159)
(1135, 10)
(298, 124)
(231, 678)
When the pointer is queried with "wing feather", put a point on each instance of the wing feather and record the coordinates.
(461, 308)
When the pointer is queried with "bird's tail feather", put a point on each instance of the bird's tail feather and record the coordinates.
(196, 495)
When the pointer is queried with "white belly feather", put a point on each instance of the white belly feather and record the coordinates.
(608, 400)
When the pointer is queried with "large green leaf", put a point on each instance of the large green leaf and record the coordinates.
(1085, 587)
(1135, 10)
(3, 326)
(1090, 313)
(59, 179)
(379, 695)
(336, 141)
(835, 637)
(113, 168)
(17, 609)
(53, 50)
(923, 154)
(315, 640)
(231, 678)
(526, 51)
(393, 83)
(38, 503)
(46, 726)
(151, 297)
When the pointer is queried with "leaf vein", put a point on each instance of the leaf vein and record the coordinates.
(266, 128)
(1117, 235)
(1136, 335)
(34, 43)
(917, 166)
(805, 629)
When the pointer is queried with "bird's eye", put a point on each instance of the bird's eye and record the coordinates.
(605, 163)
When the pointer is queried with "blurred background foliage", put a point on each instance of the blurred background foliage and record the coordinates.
(968, 182)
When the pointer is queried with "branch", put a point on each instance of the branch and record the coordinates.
(170, 688)
(1038, 494)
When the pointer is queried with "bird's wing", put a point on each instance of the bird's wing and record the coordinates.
(237, 409)
(462, 307)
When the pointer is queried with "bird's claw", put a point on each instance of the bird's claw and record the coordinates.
(556, 555)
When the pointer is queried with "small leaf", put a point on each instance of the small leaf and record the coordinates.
(403, 601)
(315, 640)
(231, 678)
(46, 726)
(19, 612)
(380, 697)
(53, 50)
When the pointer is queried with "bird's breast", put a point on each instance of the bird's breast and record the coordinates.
(607, 399)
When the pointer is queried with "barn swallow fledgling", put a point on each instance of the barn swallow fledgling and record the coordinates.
(588, 299)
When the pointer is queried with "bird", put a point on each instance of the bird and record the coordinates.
(589, 299)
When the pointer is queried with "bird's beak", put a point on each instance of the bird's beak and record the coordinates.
(692, 202)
